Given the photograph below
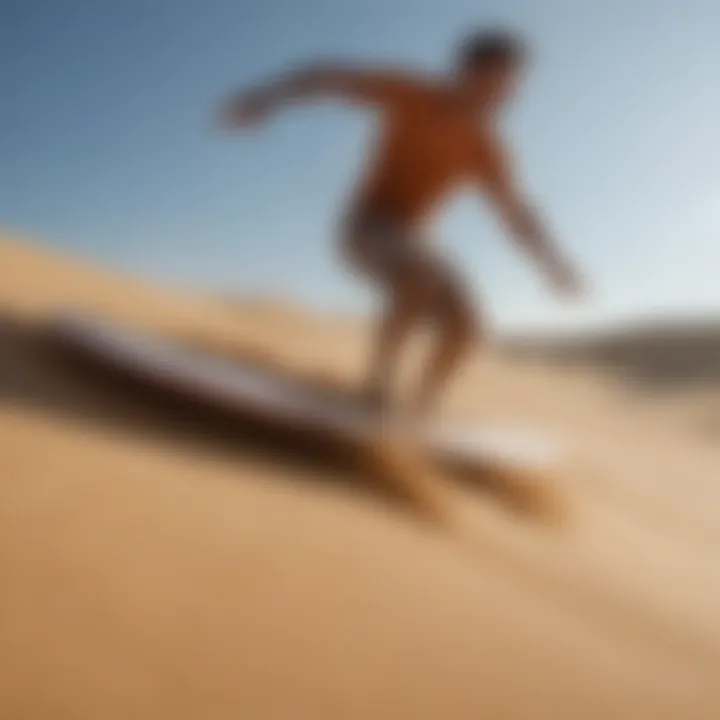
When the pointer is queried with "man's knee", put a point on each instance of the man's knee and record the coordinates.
(460, 322)
(463, 331)
(413, 289)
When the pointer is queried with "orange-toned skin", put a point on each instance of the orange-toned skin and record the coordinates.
(435, 135)
(430, 143)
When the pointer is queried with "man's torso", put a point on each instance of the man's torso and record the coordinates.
(427, 149)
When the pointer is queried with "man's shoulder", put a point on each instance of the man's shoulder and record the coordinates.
(491, 137)
(423, 84)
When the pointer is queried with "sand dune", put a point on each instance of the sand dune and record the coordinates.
(153, 565)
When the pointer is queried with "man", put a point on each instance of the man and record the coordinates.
(436, 135)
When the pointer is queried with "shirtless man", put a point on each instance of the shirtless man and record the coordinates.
(436, 135)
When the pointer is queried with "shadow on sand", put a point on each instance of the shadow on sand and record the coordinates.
(38, 372)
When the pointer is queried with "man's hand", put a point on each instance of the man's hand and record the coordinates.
(565, 281)
(246, 110)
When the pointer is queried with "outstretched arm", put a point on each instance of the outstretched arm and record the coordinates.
(525, 223)
(378, 88)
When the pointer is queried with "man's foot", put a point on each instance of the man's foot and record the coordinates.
(376, 399)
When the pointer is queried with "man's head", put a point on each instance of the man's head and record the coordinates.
(490, 64)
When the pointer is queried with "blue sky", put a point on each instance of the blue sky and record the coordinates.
(107, 144)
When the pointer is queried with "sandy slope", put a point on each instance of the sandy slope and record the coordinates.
(152, 568)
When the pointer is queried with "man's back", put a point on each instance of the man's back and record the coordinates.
(430, 141)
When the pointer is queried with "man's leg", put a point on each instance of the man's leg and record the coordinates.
(408, 296)
(457, 333)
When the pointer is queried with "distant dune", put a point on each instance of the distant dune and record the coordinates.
(662, 355)
(154, 565)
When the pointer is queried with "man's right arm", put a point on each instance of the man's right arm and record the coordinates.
(376, 88)
(525, 223)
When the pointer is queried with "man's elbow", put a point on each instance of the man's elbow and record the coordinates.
(321, 74)
(524, 220)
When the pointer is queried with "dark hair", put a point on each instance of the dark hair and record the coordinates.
(491, 49)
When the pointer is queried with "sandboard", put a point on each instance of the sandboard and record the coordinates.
(251, 390)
